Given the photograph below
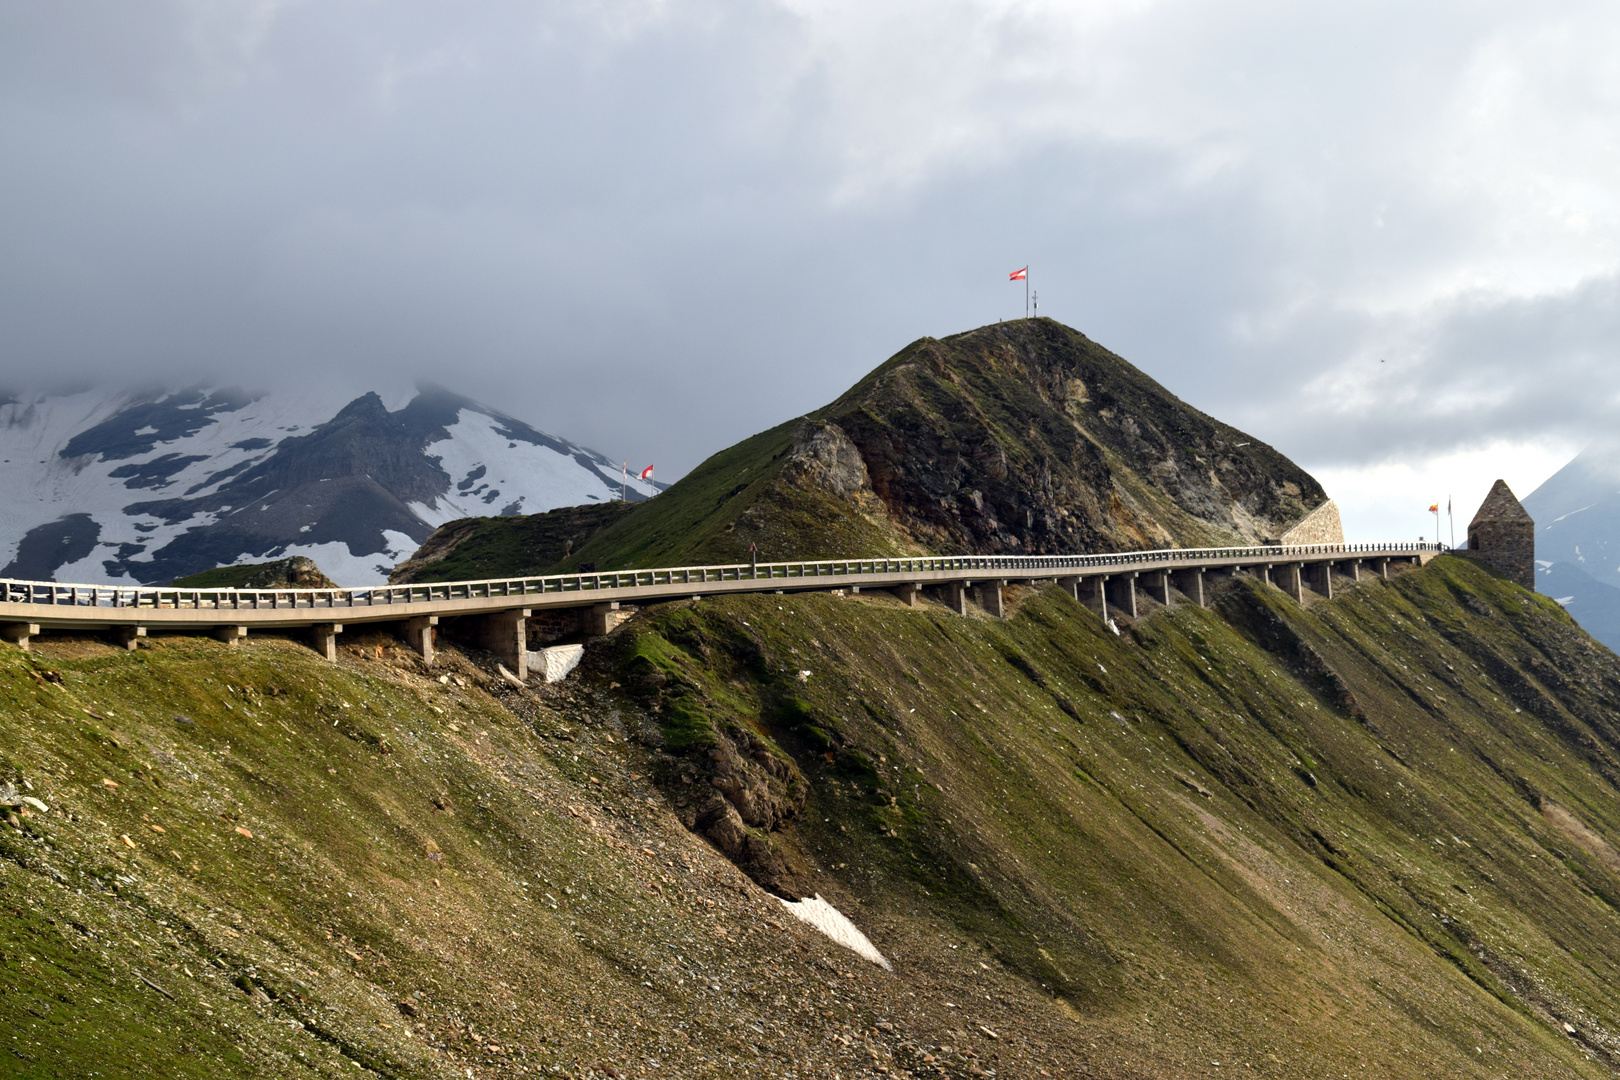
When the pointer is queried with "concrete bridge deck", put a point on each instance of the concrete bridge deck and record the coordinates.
(503, 605)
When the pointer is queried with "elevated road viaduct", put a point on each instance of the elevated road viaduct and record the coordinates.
(500, 610)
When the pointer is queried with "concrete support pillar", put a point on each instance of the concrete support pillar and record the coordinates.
(1094, 595)
(1264, 573)
(599, 619)
(505, 633)
(1288, 578)
(1158, 584)
(127, 636)
(419, 636)
(1071, 585)
(1121, 592)
(230, 635)
(954, 593)
(1381, 568)
(324, 637)
(907, 594)
(19, 633)
(989, 597)
(1353, 568)
(1191, 584)
(1322, 578)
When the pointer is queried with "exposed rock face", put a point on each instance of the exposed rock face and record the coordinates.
(296, 572)
(824, 456)
(756, 790)
(1028, 438)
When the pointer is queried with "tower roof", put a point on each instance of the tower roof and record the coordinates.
(1500, 506)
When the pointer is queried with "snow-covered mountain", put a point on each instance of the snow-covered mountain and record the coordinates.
(1577, 512)
(133, 487)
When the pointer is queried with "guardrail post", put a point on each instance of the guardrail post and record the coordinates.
(230, 635)
(505, 633)
(18, 633)
(127, 636)
(989, 597)
(419, 636)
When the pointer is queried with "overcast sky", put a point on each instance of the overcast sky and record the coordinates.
(1382, 236)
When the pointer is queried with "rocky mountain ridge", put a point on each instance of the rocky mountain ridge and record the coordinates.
(146, 487)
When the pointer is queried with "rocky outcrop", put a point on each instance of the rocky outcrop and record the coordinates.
(825, 457)
(296, 572)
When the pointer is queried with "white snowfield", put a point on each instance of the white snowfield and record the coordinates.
(830, 921)
(489, 472)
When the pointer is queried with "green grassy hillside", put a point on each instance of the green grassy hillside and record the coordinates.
(1372, 837)
(474, 549)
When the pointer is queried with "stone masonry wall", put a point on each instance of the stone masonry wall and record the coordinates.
(1320, 526)
(1508, 546)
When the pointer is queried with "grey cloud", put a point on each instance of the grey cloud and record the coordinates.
(656, 228)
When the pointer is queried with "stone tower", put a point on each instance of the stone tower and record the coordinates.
(1503, 536)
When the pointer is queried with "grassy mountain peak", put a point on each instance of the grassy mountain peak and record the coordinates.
(1019, 438)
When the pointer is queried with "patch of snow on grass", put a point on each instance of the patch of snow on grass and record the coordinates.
(830, 921)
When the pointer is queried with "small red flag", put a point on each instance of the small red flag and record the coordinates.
(646, 474)
(1018, 275)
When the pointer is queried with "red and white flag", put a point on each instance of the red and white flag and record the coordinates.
(1018, 275)
(646, 474)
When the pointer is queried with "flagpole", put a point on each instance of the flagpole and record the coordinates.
(1026, 290)
(1452, 523)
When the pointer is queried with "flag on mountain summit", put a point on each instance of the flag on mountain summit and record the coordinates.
(1435, 509)
(1018, 275)
(646, 474)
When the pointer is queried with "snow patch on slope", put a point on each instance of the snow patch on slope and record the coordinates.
(491, 473)
(832, 922)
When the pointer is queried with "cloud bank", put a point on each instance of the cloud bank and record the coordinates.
(1381, 236)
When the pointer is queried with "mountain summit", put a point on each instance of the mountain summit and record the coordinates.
(147, 487)
(1020, 438)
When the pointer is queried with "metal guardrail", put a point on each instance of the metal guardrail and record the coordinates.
(122, 596)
